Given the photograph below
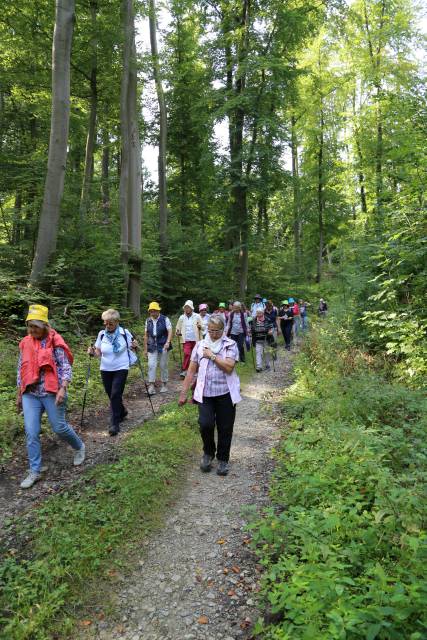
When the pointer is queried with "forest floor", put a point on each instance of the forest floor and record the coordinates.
(197, 578)
(59, 472)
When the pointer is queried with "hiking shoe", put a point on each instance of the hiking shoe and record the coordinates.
(114, 430)
(164, 388)
(267, 367)
(79, 456)
(258, 370)
(206, 463)
(182, 374)
(223, 468)
(31, 479)
(151, 389)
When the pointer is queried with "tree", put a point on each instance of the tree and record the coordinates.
(54, 184)
(130, 172)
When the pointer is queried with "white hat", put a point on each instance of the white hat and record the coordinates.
(190, 304)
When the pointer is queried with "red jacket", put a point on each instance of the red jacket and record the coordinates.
(34, 357)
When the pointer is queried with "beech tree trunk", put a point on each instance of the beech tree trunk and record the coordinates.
(105, 176)
(130, 192)
(320, 196)
(54, 184)
(91, 134)
(296, 195)
(163, 200)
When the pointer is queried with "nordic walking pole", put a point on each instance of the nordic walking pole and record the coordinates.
(86, 388)
(180, 351)
(145, 383)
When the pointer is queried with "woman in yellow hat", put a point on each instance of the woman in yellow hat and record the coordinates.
(44, 373)
(157, 340)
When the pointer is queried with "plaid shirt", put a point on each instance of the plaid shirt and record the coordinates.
(215, 379)
(63, 370)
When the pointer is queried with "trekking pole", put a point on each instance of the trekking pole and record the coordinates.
(145, 384)
(180, 351)
(252, 350)
(86, 388)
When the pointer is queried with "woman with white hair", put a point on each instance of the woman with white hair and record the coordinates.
(217, 392)
(114, 345)
(189, 331)
(237, 328)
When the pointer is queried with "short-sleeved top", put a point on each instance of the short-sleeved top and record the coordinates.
(215, 383)
(111, 361)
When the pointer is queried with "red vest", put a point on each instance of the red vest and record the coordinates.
(34, 357)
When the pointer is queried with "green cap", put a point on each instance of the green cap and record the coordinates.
(221, 304)
(285, 302)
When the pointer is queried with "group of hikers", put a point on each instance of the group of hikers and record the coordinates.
(210, 345)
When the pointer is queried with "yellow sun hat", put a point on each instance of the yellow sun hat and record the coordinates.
(38, 312)
(154, 306)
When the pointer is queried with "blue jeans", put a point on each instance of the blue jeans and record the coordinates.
(33, 407)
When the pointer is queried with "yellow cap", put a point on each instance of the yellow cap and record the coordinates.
(37, 312)
(154, 306)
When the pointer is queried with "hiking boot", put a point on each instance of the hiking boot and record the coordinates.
(206, 463)
(31, 479)
(164, 388)
(182, 374)
(151, 389)
(79, 456)
(114, 430)
(223, 468)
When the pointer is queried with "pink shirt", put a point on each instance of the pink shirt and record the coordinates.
(206, 375)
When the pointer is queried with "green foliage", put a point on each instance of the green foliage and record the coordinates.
(71, 540)
(344, 543)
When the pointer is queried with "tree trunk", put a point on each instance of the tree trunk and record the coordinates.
(130, 175)
(105, 176)
(379, 164)
(320, 196)
(91, 134)
(54, 184)
(163, 200)
(296, 195)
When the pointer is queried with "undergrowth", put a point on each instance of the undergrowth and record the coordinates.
(74, 538)
(344, 542)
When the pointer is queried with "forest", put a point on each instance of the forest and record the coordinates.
(211, 149)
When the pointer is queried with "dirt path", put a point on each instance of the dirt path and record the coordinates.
(198, 579)
(58, 457)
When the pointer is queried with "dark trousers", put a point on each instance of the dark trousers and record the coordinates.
(114, 385)
(286, 327)
(219, 411)
(240, 340)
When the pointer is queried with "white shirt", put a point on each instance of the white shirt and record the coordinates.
(168, 325)
(205, 322)
(255, 306)
(111, 361)
(189, 334)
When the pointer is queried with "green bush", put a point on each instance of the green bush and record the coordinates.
(344, 542)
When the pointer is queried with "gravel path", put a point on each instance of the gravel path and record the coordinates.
(197, 579)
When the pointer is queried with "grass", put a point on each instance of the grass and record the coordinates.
(74, 537)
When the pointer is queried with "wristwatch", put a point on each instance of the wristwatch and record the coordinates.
(213, 357)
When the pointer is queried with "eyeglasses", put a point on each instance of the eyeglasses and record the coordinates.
(215, 330)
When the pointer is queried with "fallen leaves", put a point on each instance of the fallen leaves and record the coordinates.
(203, 620)
(221, 541)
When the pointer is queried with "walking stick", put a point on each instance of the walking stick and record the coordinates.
(145, 384)
(86, 388)
(180, 351)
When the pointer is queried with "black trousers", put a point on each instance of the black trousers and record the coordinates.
(286, 327)
(219, 411)
(240, 340)
(114, 385)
